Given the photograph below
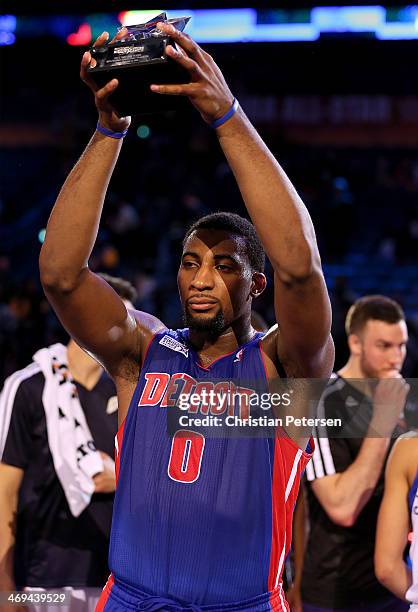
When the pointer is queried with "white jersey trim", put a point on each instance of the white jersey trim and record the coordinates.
(289, 486)
(322, 463)
(7, 398)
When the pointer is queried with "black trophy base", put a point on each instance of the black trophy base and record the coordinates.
(133, 95)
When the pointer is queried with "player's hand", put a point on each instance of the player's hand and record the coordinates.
(389, 399)
(207, 89)
(105, 482)
(294, 599)
(107, 115)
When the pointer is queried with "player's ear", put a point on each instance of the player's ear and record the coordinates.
(259, 282)
(354, 344)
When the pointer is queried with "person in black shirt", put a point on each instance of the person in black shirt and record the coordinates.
(49, 537)
(345, 477)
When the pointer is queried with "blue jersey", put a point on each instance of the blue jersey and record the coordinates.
(200, 519)
(412, 593)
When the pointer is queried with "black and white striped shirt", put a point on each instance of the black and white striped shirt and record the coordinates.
(338, 568)
(53, 548)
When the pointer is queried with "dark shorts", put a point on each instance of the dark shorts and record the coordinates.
(119, 597)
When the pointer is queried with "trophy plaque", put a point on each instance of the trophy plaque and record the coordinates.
(138, 61)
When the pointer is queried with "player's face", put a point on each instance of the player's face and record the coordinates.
(382, 348)
(215, 280)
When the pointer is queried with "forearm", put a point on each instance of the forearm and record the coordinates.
(396, 577)
(354, 486)
(7, 543)
(74, 221)
(282, 221)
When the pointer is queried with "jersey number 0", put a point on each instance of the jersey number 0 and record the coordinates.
(186, 456)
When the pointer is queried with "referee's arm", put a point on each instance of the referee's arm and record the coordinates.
(343, 495)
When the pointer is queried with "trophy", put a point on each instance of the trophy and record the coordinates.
(138, 61)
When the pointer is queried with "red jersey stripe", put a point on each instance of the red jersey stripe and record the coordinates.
(105, 594)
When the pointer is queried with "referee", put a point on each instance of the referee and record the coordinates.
(345, 477)
(46, 543)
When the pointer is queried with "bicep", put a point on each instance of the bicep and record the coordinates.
(303, 312)
(97, 318)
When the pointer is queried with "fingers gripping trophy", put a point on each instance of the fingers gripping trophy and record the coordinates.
(165, 51)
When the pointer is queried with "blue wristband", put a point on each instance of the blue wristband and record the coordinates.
(218, 122)
(110, 133)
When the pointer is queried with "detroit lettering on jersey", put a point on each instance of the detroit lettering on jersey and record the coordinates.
(207, 397)
(201, 519)
(180, 390)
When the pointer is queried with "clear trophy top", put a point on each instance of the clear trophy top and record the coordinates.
(149, 28)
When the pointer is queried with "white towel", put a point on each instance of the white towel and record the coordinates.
(73, 451)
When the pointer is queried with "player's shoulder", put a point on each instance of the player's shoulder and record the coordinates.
(409, 435)
(145, 322)
(147, 327)
(407, 442)
(404, 453)
(175, 339)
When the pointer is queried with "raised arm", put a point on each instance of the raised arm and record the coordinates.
(282, 221)
(93, 314)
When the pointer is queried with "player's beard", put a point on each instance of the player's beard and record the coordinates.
(213, 325)
(367, 369)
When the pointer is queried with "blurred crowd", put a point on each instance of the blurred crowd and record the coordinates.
(364, 205)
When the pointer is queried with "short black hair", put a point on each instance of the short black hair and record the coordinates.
(235, 224)
(372, 307)
(123, 288)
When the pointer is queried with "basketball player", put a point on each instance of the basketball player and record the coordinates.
(198, 522)
(398, 512)
(345, 477)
